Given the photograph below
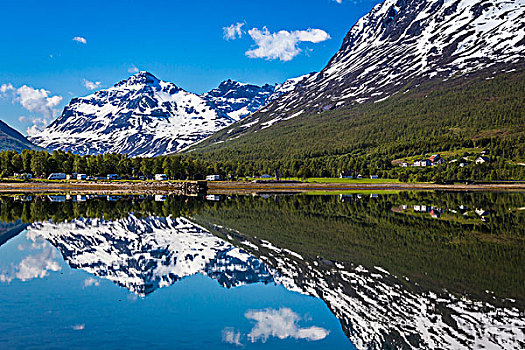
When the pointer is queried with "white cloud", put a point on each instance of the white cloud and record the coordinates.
(5, 88)
(91, 282)
(78, 327)
(282, 323)
(282, 45)
(37, 125)
(38, 265)
(91, 85)
(133, 69)
(233, 31)
(231, 336)
(39, 101)
(80, 39)
(22, 119)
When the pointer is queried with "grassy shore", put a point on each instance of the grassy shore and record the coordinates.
(314, 186)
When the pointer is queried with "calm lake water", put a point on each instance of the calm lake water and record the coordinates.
(357, 270)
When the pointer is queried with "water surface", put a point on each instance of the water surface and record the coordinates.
(406, 270)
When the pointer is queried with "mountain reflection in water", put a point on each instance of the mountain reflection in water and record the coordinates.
(144, 254)
(237, 242)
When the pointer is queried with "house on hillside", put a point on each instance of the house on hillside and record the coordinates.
(482, 160)
(435, 213)
(436, 159)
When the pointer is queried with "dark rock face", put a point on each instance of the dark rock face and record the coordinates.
(238, 100)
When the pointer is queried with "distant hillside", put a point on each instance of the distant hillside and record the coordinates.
(10, 139)
(475, 111)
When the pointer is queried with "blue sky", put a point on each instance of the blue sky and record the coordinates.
(179, 41)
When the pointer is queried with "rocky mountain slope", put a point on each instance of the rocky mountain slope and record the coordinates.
(10, 139)
(398, 46)
(410, 41)
(239, 100)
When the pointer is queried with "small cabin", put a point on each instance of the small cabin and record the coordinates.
(436, 159)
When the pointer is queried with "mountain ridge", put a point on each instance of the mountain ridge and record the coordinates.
(145, 116)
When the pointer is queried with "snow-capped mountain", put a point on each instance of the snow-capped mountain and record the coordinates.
(402, 43)
(139, 116)
(145, 116)
(238, 100)
(144, 254)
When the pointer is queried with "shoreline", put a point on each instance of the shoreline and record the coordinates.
(243, 187)
(223, 187)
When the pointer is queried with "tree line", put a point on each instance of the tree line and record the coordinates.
(191, 167)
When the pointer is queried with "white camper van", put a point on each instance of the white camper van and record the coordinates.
(57, 176)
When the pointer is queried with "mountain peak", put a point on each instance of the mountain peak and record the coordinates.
(140, 78)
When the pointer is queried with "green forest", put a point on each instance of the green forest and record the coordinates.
(481, 113)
